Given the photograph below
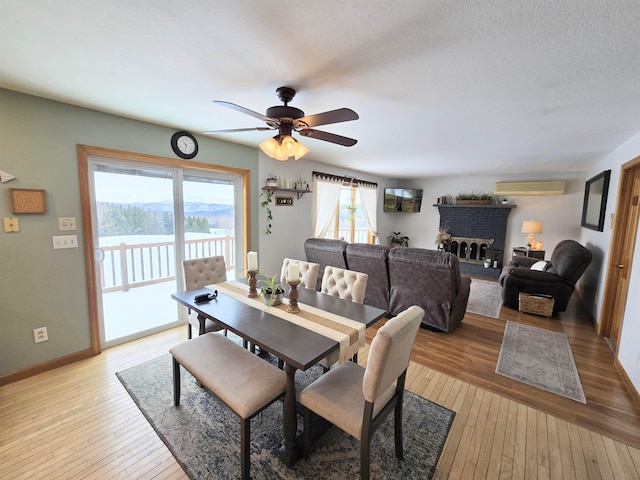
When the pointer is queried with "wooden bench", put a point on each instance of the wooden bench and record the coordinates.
(246, 383)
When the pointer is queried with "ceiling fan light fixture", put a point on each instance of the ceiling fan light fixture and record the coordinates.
(283, 147)
(269, 146)
(288, 145)
(302, 151)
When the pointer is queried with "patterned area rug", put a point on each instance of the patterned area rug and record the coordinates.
(204, 436)
(540, 358)
(485, 298)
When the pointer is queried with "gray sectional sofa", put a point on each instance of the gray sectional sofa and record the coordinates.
(400, 277)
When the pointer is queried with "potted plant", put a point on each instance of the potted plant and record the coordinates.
(271, 289)
(473, 198)
(443, 239)
(272, 181)
(397, 239)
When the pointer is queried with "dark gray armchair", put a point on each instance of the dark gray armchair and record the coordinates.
(568, 262)
(430, 279)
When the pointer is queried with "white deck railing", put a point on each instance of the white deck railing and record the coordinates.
(128, 266)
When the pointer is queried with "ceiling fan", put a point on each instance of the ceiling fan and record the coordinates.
(288, 119)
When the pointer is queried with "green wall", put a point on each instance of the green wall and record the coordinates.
(40, 286)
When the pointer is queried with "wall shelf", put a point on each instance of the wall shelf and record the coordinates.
(299, 193)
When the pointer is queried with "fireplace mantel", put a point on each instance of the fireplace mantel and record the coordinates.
(446, 205)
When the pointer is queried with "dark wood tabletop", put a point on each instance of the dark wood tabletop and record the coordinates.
(292, 343)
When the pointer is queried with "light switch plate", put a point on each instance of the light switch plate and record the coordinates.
(65, 241)
(11, 224)
(67, 223)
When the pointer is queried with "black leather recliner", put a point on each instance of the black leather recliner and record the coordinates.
(568, 262)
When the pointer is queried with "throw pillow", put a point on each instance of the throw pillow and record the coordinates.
(539, 266)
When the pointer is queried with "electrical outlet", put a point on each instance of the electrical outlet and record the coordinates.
(40, 335)
(65, 241)
(638, 360)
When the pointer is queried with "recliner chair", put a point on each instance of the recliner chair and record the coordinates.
(372, 260)
(558, 278)
(325, 251)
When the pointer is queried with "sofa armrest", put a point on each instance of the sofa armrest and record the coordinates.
(527, 274)
(520, 261)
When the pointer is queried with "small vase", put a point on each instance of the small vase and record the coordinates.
(272, 300)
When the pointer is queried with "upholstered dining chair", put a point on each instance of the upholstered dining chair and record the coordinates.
(357, 399)
(346, 284)
(308, 273)
(199, 272)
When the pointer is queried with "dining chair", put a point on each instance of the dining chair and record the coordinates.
(346, 284)
(357, 399)
(308, 273)
(198, 273)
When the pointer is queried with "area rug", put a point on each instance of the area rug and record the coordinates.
(485, 298)
(541, 358)
(204, 436)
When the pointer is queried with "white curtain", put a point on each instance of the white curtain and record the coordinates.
(326, 196)
(369, 200)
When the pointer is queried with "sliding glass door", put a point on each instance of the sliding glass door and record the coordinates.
(146, 219)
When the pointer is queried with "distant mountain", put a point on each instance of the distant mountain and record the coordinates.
(200, 209)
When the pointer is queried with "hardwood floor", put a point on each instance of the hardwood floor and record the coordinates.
(78, 421)
(471, 354)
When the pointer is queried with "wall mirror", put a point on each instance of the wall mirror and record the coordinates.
(595, 201)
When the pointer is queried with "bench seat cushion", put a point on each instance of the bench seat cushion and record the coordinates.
(242, 380)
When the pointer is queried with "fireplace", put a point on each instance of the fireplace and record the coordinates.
(478, 232)
(471, 250)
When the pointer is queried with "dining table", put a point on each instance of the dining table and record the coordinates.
(325, 324)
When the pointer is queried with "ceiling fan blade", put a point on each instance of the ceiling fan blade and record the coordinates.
(233, 130)
(332, 116)
(240, 109)
(328, 137)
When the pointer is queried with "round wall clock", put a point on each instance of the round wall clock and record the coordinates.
(184, 145)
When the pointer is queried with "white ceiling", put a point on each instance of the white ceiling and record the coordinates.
(441, 87)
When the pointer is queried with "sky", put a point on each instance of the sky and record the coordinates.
(120, 188)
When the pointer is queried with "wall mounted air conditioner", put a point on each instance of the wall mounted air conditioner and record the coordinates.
(515, 189)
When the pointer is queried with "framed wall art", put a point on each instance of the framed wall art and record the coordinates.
(595, 201)
(24, 200)
(286, 201)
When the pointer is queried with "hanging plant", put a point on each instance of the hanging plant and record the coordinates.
(352, 212)
(266, 204)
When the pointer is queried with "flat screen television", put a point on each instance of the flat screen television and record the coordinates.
(402, 200)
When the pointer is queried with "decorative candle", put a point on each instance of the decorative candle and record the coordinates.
(252, 261)
(293, 273)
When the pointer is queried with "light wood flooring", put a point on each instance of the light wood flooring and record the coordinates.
(78, 422)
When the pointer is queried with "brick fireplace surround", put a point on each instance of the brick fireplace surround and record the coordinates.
(475, 225)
